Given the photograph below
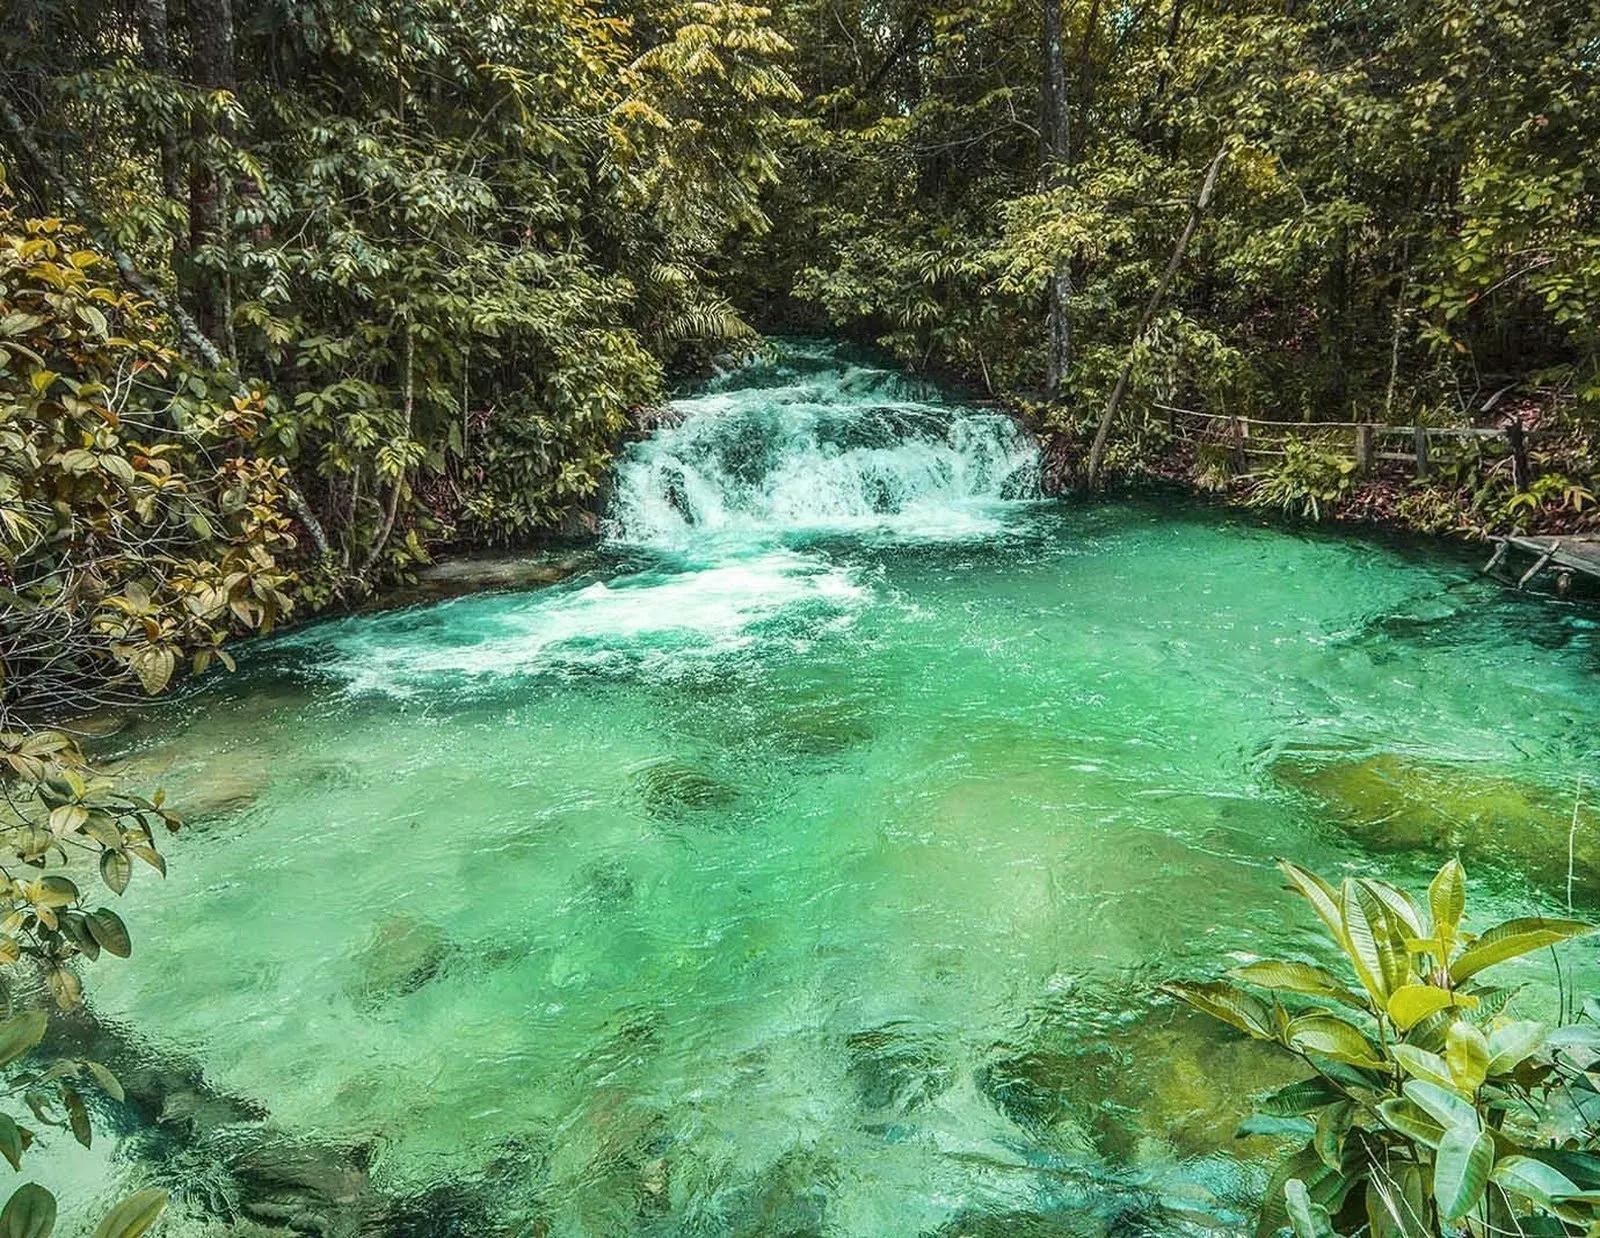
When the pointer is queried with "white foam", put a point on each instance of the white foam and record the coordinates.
(651, 618)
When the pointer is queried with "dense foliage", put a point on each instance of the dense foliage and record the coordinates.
(1431, 1111)
(1406, 225)
(452, 246)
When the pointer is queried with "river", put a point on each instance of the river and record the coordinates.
(807, 865)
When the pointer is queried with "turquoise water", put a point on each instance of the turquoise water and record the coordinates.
(807, 866)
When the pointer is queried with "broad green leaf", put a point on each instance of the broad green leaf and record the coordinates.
(1420, 1064)
(133, 1217)
(1412, 1122)
(1447, 899)
(1309, 1220)
(1544, 1184)
(1400, 905)
(77, 1113)
(1445, 1107)
(1322, 1184)
(1226, 1002)
(109, 1083)
(1467, 1054)
(20, 1033)
(1299, 1097)
(1513, 1044)
(110, 932)
(1366, 940)
(115, 870)
(1296, 978)
(1395, 1206)
(1330, 1036)
(1511, 940)
(1461, 1169)
(1319, 894)
(11, 1143)
(29, 1213)
(1411, 1003)
(1332, 1124)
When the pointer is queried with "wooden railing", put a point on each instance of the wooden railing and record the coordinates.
(1367, 439)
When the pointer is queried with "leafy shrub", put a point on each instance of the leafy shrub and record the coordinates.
(1429, 1111)
(136, 531)
(1309, 479)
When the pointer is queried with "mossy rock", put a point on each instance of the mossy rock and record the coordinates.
(1169, 1078)
(1390, 802)
(673, 789)
(894, 1068)
(404, 955)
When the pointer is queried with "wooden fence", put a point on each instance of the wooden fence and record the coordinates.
(1369, 441)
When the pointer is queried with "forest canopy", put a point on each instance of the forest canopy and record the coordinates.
(447, 251)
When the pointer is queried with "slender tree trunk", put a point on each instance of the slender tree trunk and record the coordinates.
(1098, 451)
(211, 67)
(155, 38)
(1055, 142)
(393, 509)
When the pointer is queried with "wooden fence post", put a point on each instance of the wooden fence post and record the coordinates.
(1238, 443)
(1421, 440)
(1521, 475)
(1364, 449)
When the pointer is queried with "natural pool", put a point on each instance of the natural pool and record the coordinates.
(806, 866)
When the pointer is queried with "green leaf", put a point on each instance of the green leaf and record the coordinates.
(115, 870)
(77, 1113)
(1447, 899)
(1467, 1054)
(29, 1213)
(1544, 1184)
(1296, 978)
(1411, 1003)
(1331, 1036)
(1226, 1002)
(1412, 1122)
(1442, 1105)
(1319, 894)
(1332, 1124)
(20, 1033)
(1420, 1064)
(11, 1143)
(1300, 1097)
(133, 1217)
(1513, 1044)
(109, 1083)
(1511, 940)
(1395, 1208)
(1366, 940)
(1399, 904)
(1461, 1169)
(109, 930)
(1310, 1220)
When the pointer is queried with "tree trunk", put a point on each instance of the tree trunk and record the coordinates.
(1098, 451)
(155, 39)
(211, 67)
(1055, 145)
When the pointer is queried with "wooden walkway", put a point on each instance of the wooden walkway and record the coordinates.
(1565, 556)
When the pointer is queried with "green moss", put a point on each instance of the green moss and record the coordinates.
(1391, 802)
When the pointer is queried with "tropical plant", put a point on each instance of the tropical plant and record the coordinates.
(1430, 1110)
(1309, 480)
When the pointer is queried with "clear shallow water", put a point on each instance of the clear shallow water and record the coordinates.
(807, 869)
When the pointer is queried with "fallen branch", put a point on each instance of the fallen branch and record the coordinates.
(1098, 451)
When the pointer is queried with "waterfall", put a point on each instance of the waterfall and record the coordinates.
(803, 440)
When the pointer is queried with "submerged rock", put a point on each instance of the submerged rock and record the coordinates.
(404, 955)
(672, 788)
(1166, 1083)
(893, 1067)
(1391, 802)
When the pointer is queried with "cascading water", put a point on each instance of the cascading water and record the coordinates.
(808, 864)
(803, 441)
